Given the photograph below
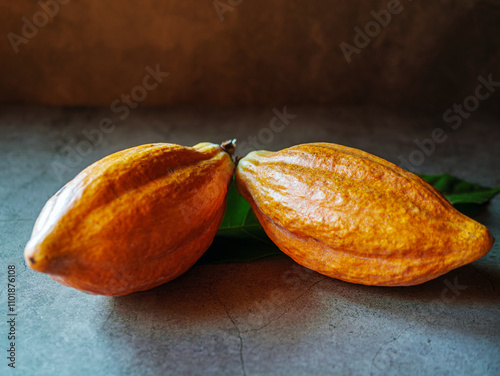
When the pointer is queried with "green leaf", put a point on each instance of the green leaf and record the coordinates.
(241, 238)
(460, 192)
(239, 215)
(225, 250)
(467, 198)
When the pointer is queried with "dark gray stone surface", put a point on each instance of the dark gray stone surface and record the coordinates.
(268, 317)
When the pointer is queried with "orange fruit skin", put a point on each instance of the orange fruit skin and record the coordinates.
(353, 216)
(133, 220)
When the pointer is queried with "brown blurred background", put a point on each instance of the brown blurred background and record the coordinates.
(250, 52)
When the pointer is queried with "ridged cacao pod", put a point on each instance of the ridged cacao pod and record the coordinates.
(353, 216)
(134, 219)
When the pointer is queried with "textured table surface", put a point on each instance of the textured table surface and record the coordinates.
(267, 317)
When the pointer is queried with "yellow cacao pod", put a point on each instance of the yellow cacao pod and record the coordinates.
(353, 216)
(133, 220)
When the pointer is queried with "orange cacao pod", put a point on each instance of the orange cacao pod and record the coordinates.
(353, 216)
(134, 219)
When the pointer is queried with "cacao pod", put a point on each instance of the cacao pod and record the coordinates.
(353, 216)
(134, 219)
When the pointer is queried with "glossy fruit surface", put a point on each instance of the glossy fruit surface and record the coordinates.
(134, 219)
(353, 216)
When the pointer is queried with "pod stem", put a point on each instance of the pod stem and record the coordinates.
(229, 147)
